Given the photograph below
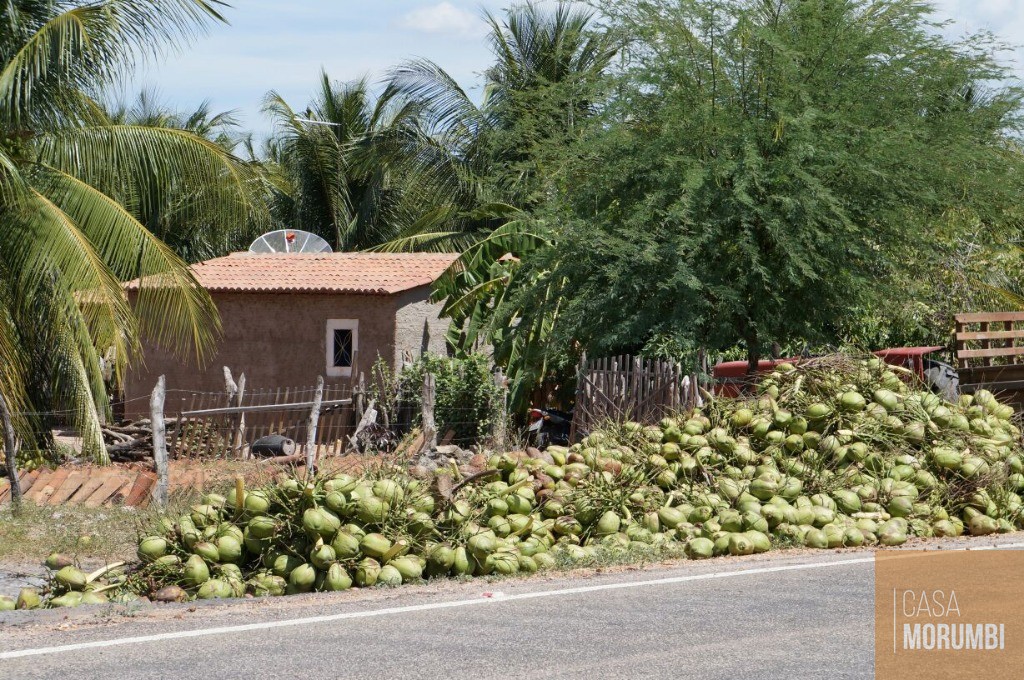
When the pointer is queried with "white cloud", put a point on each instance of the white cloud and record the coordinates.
(444, 18)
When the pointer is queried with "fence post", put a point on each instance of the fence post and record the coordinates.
(429, 426)
(359, 398)
(156, 412)
(11, 455)
(239, 434)
(314, 418)
(580, 405)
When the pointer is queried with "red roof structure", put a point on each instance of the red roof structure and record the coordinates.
(353, 273)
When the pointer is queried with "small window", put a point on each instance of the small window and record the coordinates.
(342, 346)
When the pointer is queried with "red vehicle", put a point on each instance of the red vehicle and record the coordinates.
(731, 376)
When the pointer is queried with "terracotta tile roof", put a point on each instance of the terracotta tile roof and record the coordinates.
(358, 273)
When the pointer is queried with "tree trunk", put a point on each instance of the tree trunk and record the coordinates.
(753, 352)
(10, 454)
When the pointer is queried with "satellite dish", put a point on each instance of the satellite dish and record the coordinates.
(290, 241)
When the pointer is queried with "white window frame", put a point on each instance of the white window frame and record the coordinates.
(338, 325)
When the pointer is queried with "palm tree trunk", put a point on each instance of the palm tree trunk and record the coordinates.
(10, 454)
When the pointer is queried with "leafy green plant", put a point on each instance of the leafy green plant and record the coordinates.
(467, 400)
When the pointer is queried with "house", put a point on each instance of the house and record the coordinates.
(288, 318)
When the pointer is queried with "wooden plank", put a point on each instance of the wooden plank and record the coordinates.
(55, 482)
(985, 345)
(28, 480)
(5, 489)
(72, 484)
(94, 482)
(139, 489)
(973, 374)
(990, 335)
(1006, 386)
(109, 487)
(989, 352)
(980, 317)
(40, 483)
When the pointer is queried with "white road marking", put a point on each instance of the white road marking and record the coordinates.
(223, 630)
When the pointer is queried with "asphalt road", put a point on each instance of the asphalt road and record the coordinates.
(806, 615)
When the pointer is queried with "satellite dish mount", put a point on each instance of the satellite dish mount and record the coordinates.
(290, 241)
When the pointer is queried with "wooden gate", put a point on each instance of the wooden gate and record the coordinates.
(630, 388)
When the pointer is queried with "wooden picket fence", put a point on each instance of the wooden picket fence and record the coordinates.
(625, 387)
(215, 424)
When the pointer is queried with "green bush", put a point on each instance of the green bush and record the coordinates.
(466, 398)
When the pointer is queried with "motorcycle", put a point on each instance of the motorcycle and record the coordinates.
(548, 426)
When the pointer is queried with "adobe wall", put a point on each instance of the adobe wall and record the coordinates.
(419, 327)
(276, 339)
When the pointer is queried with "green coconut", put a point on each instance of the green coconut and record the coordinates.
(892, 532)
(57, 561)
(7, 604)
(337, 578)
(302, 578)
(320, 522)
(367, 572)
(283, 565)
(28, 598)
(256, 503)
(372, 510)
(151, 548)
(461, 564)
(816, 538)
(230, 549)
(196, 571)
(388, 491)
(982, 525)
(69, 599)
(699, 548)
(482, 544)
(215, 589)
(345, 545)
(208, 551)
(409, 567)
(374, 545)
(544, 561)
(71, 578)
(268, 585)
(852, 402)
(322, 556)
(337, 503)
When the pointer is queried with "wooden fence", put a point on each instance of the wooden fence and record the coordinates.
(630, 388)
(225, 424)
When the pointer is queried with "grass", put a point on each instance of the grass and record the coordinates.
(87, 534)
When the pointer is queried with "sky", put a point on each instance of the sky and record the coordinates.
(283, 45)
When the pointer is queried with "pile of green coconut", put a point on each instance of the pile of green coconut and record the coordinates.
(836, 452)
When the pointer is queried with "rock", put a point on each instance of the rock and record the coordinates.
(450, 450)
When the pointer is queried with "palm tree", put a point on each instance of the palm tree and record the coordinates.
(357, 167)
(74, 186)
(548, 66)
(194, 237)
(507, 153)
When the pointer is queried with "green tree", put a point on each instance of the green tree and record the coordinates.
(766, 170)
(73, 188)
(171, 217)
(503, 154)
(353, 167)
(508, 156)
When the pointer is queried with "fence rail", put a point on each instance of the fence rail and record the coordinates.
(630, 388)
(225, 424)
